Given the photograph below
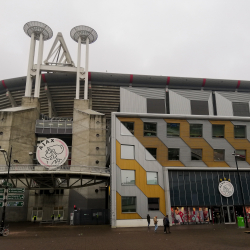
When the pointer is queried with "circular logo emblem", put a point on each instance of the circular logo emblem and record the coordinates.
(226, 188)
(52, 152)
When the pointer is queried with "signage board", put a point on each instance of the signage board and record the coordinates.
(15, 204)
(16, 190)
(52, 153)
(1, 190)
(1, 203)
(7, 184)
(1, 197)
(15, 197)
(226, 188)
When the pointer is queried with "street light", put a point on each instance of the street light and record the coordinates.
(7, 160)
(243, 202)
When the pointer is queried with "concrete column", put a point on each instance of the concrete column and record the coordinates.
(78, 69)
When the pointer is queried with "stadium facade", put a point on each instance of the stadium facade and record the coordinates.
(138, 144)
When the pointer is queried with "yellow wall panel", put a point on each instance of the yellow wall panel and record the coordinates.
(239, 144)
(153, 142)
(124, 216)
(151, 191)
(197, 143)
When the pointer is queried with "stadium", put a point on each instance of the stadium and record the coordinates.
(137, 144)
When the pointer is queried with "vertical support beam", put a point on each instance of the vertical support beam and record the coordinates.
(86, 70)
(11, 99)
(39, 62)
(78, 69)
(28, 86)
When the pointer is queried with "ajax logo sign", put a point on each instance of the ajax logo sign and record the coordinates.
(226, 188)
(52, 152)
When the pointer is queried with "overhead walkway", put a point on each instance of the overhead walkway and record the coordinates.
(36, 177)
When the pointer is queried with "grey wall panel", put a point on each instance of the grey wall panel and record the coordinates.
(176, 142)
(141, 198)
(140, 153)
(178, 104)
(152, 93)
(216, 143)
(236, 96)
(210, 105)
(224, 106)
(131, 102)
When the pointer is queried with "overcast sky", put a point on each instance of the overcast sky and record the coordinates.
(192, 38)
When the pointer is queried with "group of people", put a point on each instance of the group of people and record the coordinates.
(52, 217)
(165, 223)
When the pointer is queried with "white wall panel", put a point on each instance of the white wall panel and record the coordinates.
(131, 102)
(223, 105)
(178, 104)
(151, 93)
(198, 95)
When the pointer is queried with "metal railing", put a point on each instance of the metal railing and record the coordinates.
(70, 168)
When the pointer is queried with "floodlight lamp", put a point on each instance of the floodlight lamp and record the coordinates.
(83, 32)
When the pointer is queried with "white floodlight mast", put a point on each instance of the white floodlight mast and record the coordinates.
(86, 70)
(30, 65)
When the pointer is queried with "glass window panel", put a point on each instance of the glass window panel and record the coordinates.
(150, 129)
(241, 155)
(128, 204)
(153, 204)
(173, 129)
(129, 126)
(239, 131)
(196, 154)
(127, 152)
(152, 151)
(195, 130)
(152, 178)
(219, 154)
(173, 154)
(128, 177)
(218, 131)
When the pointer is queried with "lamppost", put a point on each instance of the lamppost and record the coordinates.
(7, 160)
(243, 201)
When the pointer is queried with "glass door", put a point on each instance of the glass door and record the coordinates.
(228, 212)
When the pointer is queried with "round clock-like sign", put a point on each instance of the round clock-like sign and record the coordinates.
(226, 188)
(52, 153)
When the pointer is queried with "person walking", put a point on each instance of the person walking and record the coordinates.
(52, 218)
(148, 219)
(166, 224)
(34, 219)
(155, 222)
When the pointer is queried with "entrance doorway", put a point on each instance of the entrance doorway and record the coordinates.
(229, 215)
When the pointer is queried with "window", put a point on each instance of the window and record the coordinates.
(241, 109)
(129, 126)
(152, 151)
(196, 154)
(199, 107)
(239, 131)
(127, 152)
(150, 129)
(58, 210)
(219, 154)
(173, 129)
(195, 130)
(153, 204)
(152, 178)
(128, 177)
(128, 204)
(218, 131)
(173, 154)
(242, 155)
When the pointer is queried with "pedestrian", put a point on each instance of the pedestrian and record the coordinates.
(155, 222)
(52, 218)
(58, 217)
(34, 219)
(148, 219)
(166, 224)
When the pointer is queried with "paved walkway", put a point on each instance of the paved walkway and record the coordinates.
(64, 237)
